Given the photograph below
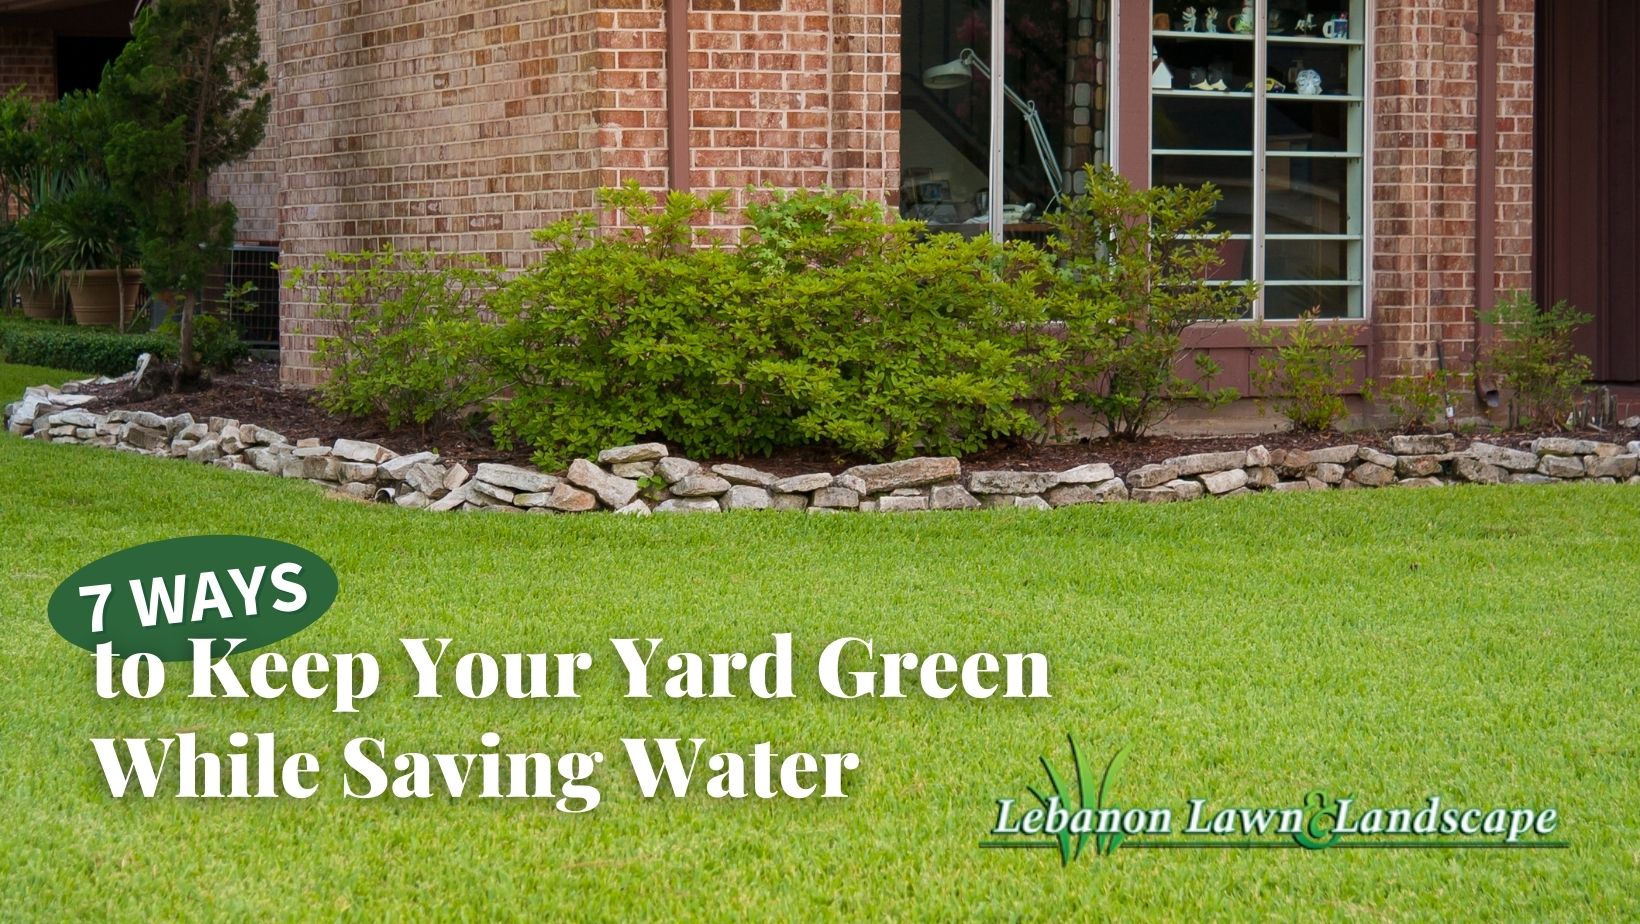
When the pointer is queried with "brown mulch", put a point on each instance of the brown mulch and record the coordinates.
(252, 394)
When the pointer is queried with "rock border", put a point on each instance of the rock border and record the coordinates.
(646, 478)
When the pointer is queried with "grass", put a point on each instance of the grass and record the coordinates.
(15, 378)
(1477, 643)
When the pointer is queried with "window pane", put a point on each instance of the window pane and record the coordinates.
(1286, 302)
(1321, 260)
(1207, 122)
(1310, 195)
(1298, 123)
(1232, 175)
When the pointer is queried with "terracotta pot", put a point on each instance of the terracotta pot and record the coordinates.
(96, 296)
(44, 304)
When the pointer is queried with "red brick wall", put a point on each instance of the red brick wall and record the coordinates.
(28, 56)
(464, 126)
(459, 127)
(253, 183)
(1424, 174)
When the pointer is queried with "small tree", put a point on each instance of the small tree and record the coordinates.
(1136, 270)
(186, 98)
(1537, 359)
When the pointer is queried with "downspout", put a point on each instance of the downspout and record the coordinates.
(677, 93)
(1486, 175)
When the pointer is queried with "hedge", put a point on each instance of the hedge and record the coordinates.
(94, 350)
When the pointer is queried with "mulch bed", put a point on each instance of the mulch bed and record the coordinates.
(252, 394)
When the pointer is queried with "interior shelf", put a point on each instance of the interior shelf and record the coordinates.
(1210, 36)
(1205, 94)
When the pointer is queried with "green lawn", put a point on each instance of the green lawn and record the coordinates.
(15, 378)
(1478, 643)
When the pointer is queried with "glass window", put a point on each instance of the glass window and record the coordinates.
(1055, 73)
(1266, 100)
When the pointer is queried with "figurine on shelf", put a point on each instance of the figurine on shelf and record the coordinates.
(1275, 22)
(1242, 23)
(1306, 25)
(1309, 83)
(1212, 20)
(1187, 19)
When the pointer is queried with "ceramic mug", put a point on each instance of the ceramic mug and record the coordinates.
(1336, 28)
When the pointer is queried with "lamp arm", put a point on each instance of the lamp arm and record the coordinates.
(1033, 119)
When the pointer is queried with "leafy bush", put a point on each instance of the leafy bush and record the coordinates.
(1306, 370)
(93, 350)
(888, 341)
(1135, 271)
(1417, 401)
(1535, 359)
(407, 336)
(828, 324)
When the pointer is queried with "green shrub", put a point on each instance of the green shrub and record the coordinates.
(1535, 359)
(829, 324)
(59, 346)
(406, 335)
(1135, 271)
(1305, 369)
(1417, 401)
(890, 342)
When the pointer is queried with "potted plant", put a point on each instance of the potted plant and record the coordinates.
(92, 234)
(31, 267)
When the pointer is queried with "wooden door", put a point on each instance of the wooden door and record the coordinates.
(1588, 174)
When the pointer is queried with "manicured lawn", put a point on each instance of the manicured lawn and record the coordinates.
(15, 378)
(1478, 643)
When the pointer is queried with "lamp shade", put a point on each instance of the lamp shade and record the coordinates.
(948, 76)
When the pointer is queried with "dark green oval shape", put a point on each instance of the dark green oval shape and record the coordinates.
(151, 616)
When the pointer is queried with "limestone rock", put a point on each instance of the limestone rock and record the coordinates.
(396, 467)
(803, 484)
(1031, 502)
(1334, 455)
(1556, 466)
(1562, 446)
(1262, 477)
(640, 452)
(1151, 476)
(853, 482)
(837, 497)
(688, 505)
(1474, 470)
(1418, 466)
(207, 451)
(1422, 444)
(1372, 475)
(571, 500)
(675, 468)
(1224, 482)
(1421, 483)
(456, 477)
(1011, 482)
(1620, 467)
(906, 473)
(453, 499)
(483, 489)
(747, 497)
(701, 484)
(1109, 491)
(1329, 472)
(1375, 456)
(355, 471)
(952, 497)
(426, 478)
(782, 501)
(740, 474)
(613, 491)
(635, 509)
(357, 451)
(514, 478)
(900, 504)
(1515, 460)
(1527, 478)
(1291, 463)
(413, 500)
(1093, 473)
(1186, 490)
(1257, 457)
(149, 439)
(633, 470)
(1204, 462)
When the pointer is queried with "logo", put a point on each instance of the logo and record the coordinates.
(1080, 813)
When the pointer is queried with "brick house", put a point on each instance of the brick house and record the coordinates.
(1400, 162)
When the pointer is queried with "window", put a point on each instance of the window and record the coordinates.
(1053, 122)
(1267, 103)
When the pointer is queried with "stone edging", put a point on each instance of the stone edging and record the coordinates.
(644, 478)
